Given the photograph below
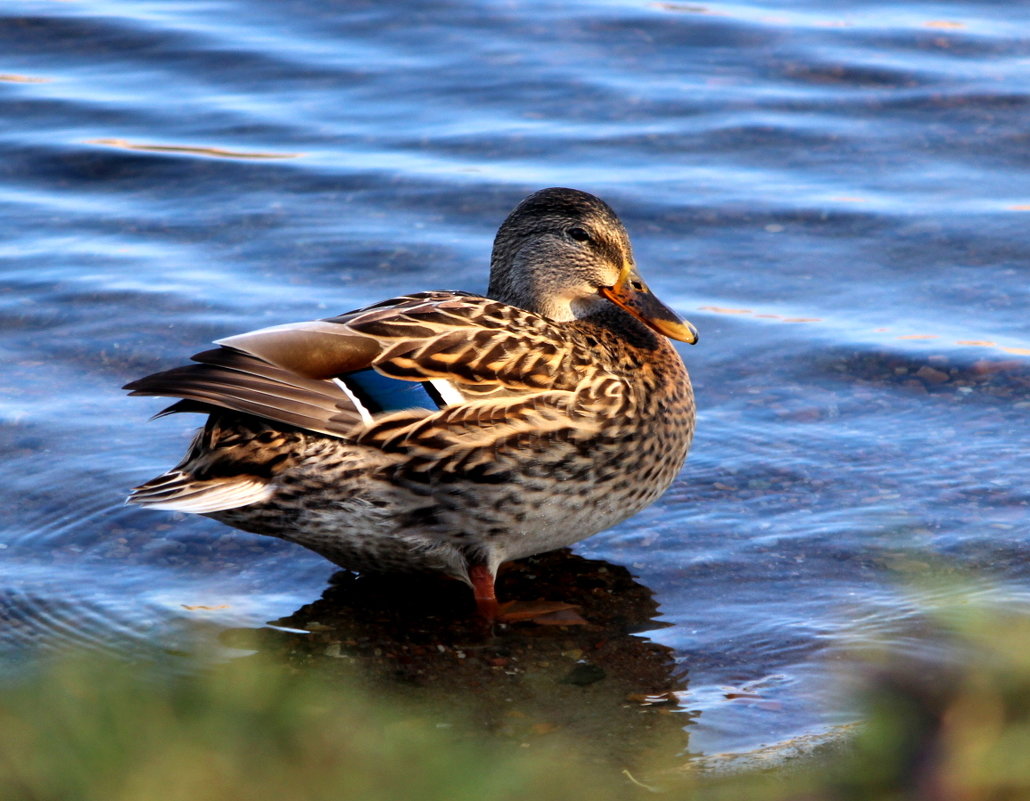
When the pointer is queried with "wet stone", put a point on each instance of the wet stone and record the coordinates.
(584, 674)
(932, 375)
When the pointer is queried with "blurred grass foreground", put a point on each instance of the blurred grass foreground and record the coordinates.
(954, 726)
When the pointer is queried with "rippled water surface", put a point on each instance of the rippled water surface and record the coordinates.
(837, 195)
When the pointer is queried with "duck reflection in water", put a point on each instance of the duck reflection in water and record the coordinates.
(604, 683)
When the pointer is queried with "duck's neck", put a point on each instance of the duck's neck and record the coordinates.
(623, 325)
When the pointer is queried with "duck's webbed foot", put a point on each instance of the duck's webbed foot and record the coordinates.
(544, 613)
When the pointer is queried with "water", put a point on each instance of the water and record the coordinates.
(837, 197)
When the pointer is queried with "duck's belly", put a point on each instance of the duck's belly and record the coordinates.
(352, 533)
(363, 534)
(394, 519)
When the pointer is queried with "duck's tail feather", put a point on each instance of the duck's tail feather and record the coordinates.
(179, 491)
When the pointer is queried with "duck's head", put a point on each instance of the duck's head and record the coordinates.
(565, 254)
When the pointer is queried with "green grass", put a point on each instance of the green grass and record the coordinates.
(99, 729)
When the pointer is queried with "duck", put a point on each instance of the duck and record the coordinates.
(445, 431)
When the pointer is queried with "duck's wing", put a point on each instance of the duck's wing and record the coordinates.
(337, 376)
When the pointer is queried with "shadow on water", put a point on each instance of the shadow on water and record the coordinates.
(604, 683)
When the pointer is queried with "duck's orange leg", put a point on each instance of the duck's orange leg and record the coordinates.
(483, 588)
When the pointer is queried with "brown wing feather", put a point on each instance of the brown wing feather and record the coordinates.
(226, 378)
(319, 349)
(480, 344)
(485, 348)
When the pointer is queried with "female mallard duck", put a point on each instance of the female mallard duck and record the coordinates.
(444, 431)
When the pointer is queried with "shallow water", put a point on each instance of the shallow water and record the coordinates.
(837, 198)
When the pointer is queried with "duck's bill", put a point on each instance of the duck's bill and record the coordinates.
(632, 294)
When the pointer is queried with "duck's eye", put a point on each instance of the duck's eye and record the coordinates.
(579, 234)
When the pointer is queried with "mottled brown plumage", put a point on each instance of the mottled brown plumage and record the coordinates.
(560, 409)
